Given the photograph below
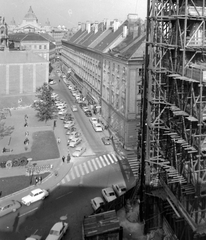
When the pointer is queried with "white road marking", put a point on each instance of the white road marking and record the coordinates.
(63, 181)
(90, 166)
(103, 162)
(64, 195)
(95, 166)
(85, 167)
(110, 158)
(28, 212)
(115, 158)
(67, 177)
(105, 157)
(77, 172)
(81, 169)
(98, 162)
(72, 174)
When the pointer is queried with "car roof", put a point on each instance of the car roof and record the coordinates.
(57, 226)
(79, 148)
(109, 189)
(36, 190)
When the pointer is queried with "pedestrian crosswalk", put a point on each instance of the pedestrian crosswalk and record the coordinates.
(134, 164)
(90, 166)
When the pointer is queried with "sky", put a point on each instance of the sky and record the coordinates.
(70, 12)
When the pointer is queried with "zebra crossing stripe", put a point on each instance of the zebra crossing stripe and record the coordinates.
(105, 157)
(111, 159)
(97, 161)
(102, 160)
(67, 177)
(63, 181)
(85, 167)
(95, 166)
(81, 169)
(76, 171)
(72, 174)
(115, 158)
(90, 166)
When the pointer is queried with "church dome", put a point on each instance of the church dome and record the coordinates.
(30, 15)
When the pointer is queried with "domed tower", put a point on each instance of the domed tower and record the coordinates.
(30, 17)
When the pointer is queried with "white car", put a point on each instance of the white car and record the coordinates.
(79, 151)
(93, 120)
(85, 109)
(97, 202)
(57, 231)
(62, 112)
(34, 196)
(73, 135)
(119, 189)
(69, 125)
(108, 194)
(97, 127)
(74, 108)
(75, 142)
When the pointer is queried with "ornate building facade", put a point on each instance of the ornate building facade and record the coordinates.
(29, 24)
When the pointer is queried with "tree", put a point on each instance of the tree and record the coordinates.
(45, 106)
(5, 130)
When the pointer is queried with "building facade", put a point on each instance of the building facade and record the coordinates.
(106, 61)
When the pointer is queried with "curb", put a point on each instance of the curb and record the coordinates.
(25, 189)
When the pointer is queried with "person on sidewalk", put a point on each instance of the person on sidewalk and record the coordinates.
(36, 180)
(63, 159)
(58, 140)
(0, 193)
(40, 179)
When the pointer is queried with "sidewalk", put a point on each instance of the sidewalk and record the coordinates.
(51, 181)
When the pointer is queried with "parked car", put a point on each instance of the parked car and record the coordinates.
(106, 140)
(83, 104)
(119, 189)
(70, 130)
(8, 206)
(52, 82)
(34, 237)
(79, 151)
(62, 111)
(75, 142)
(68, 121)
(74, 135)
(57, 231)
(74, 108)
(97, 202)
(35, 195)
(69, 125)
(88, 113)
(97, 127)
(93, 120)
(85, 108)
(108, 194)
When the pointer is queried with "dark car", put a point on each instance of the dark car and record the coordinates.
(106, 140)
(88, 113)
(82, 105)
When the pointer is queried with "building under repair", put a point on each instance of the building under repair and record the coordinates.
(172, 147)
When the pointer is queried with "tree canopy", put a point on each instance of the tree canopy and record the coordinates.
(45, 105)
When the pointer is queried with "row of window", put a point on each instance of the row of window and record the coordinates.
(35, 46)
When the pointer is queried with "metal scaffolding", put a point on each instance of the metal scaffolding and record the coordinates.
(173, 142)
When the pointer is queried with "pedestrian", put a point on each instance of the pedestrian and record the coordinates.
(26, 124)
(55, 123)
(63, 159)
(68, 158)
(36, 180)
(58, 140)
(40, 179)
(0, 193)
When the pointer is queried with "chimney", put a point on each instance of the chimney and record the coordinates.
(79, 26)
(88, 26)
(107, 24)
(132, 22)
(125, 31)
(96, 27)
(136, 32)
(83, 27)
(115, 25)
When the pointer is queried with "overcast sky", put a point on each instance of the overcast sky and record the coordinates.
(70, 12)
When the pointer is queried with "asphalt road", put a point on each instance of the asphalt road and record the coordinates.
(71, 199)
